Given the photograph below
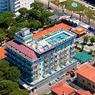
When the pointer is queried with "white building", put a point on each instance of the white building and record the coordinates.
(14, 5)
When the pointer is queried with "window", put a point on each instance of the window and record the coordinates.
(89, 84)
(82, 80)
(93, 86)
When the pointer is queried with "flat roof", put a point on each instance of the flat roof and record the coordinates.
(79, 31)
(51, 29)
(50, 41)
(87, 71)
(62, 87)
(23, 49)
(2, 53)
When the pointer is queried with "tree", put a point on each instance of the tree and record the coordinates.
(23, 11)
(62, 4)
(37, 5)
(76, 44)
(8, 14)
(12, 74)
(92, 39)
(90, 14)
(7, 19)
(34, 13)
(7, 86)
(12, 31)
(35, 24)
(2, 37)
(1, 76)
(44, 16)
(19, 92)
(85, 39)
(4, 65)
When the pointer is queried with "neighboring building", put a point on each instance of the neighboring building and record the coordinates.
(43, 56)
(65, 89)
(86, 77)
(62, 89)
(14, 5)
(4, 5)
(79, 31)
(83, 92)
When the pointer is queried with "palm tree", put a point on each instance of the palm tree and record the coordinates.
(76, 44)
(92, 39)
(62, 4)
(85, 39)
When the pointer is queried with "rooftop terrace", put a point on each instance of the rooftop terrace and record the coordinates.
(50, 41)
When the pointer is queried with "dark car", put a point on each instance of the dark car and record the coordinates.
(91, 30)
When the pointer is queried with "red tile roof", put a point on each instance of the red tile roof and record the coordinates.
(23, 49)
(63, 88)
(87, 71)
(79, 31)
(82, 92)
(51, 29)
(2, 53)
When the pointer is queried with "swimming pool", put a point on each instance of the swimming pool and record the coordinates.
(57, 38)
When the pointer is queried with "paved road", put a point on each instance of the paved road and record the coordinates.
(44, 83)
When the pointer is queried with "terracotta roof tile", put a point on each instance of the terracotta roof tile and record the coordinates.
(51, 29)
(82, 92)
(23, 49)
(87, 71)
(63, 88)
(2, 53)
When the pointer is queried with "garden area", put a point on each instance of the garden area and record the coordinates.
(87, 45)
(76, 7)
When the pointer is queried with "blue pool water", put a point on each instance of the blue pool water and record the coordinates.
(57, 38)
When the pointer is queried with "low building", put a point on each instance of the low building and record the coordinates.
(62, 89)
(65, 89)
(86, 77)
(79, 31)
(83, 92)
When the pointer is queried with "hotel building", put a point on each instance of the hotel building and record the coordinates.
(43, 56)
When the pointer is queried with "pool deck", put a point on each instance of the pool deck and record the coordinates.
(51, 40)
